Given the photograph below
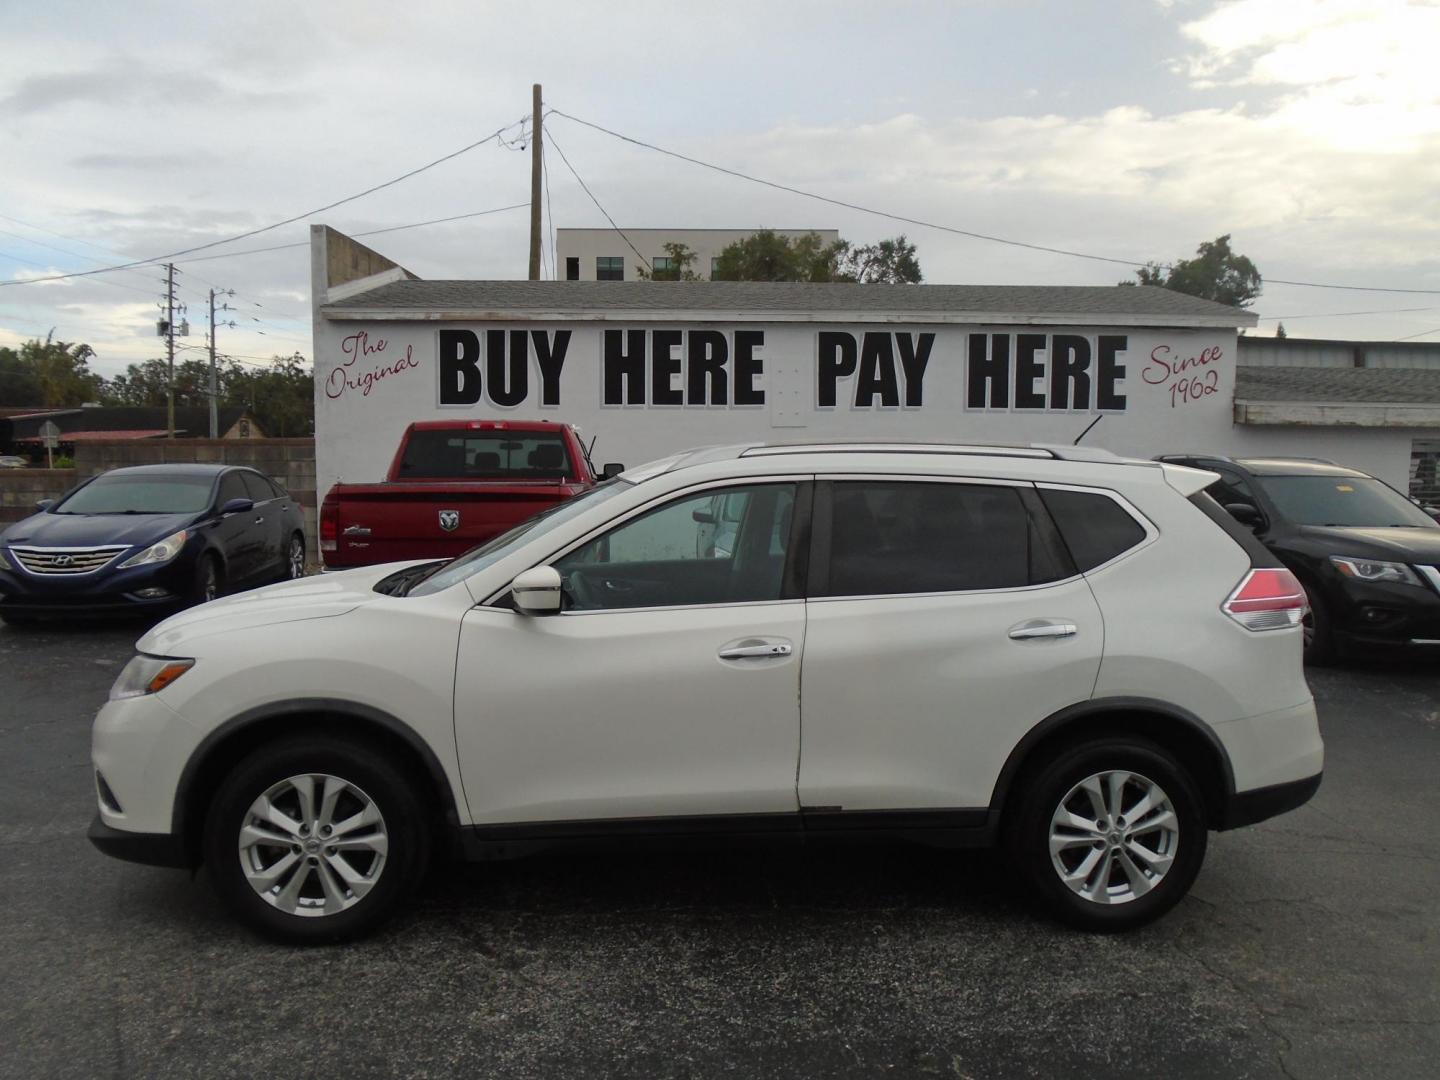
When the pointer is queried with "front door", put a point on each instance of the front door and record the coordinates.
(944, 622)
(668, 686)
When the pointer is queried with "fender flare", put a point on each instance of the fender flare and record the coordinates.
(300, 707)
(1058, 721)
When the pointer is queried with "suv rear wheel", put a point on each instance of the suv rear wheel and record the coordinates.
(1110, 832)
(309, 841)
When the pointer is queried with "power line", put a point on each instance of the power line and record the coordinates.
(1423, 333)
(596, 201)
(278, 224)
(368, 232)
(1340, 314)
(947, 228)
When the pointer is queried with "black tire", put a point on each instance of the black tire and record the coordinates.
(209, 580)
(1320, 647)
(1039, 798)
(368, 771)
(294, 549)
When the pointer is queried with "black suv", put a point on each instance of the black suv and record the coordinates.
(1369, 557)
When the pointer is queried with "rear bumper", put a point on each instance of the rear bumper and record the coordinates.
(1248, 807)
(153, 849)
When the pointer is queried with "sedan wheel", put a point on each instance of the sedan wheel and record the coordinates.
(312, 840)
(295, 559)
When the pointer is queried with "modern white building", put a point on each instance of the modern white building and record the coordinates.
(603, 254)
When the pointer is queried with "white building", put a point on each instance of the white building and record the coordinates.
(603, 254)
(649, 368)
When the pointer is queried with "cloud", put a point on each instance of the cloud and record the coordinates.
(138, 162)
(127, 81)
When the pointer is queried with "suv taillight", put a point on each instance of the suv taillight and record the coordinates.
(1267, 599)
(329, 523)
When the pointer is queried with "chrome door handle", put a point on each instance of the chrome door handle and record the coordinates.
(260, 521)
(752, 649)
(1031, 631)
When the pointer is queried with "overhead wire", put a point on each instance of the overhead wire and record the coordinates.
(560, 150)
(1133, 263)
(174, 255)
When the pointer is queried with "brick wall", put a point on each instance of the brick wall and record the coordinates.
(289, 462)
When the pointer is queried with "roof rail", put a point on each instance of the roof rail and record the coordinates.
(861, 447)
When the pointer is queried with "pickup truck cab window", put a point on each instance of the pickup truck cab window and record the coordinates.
(490, 455)
(706, 548)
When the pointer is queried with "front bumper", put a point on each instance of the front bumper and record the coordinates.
(107, 591)
(153, 849)
(1386, 615)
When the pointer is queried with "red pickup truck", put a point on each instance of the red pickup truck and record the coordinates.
(454, 484)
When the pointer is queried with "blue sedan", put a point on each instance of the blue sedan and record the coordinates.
(150, 537)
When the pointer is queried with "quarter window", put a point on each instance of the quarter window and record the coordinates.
(609, 268)
(714, 548)
(1094, 527)
(891, 537)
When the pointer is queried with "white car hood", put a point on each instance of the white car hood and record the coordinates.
(320, 597)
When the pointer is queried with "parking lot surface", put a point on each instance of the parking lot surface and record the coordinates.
(1310, 946)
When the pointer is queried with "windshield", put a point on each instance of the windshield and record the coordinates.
(1345, 501)
(119, 493)
(492, 551)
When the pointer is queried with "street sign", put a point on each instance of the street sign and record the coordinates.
(50, 434)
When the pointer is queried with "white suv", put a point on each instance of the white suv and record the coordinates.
(1077, 656)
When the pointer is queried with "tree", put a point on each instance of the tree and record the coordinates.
(890, 262)
(1216, 273)
(48, 373)
(280, 395)
(1280, 330)
(681, 260)
(768, 256)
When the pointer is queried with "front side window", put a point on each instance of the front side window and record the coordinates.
(257, 488)
(893, 537)
(713, 548)
(609, 268)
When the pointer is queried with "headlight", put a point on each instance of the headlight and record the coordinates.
(162, 552)
(1371, 570)
(148, 674)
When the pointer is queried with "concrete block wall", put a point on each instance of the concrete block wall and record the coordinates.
(21, 489)
(289, 462)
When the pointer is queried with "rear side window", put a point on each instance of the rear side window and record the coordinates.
(257, 487)
(889, 537)
(1095, 527)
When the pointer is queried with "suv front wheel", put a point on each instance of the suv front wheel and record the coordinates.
(312, 841)
(1110, 832)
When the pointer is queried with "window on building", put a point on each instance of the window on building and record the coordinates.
(572, 268)
(714, 267)
(662, 266)
(609, 268)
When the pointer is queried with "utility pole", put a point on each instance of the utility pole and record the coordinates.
(535, 174)
(170, 350)
(214, 380)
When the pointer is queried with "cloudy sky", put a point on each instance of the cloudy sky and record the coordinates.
(1132, 129)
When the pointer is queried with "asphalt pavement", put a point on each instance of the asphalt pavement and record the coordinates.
(1307, 949)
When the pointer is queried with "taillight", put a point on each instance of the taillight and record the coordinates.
(1267, 599)
(329, 523)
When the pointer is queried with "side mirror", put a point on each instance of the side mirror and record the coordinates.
(44, 504)
(612, 468)
(704, 517)
(537, 591)
(1245, 514)
(237, 506)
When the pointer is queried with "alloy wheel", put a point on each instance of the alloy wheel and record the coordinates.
(1113, 837)
(295, 558)
(313, 845)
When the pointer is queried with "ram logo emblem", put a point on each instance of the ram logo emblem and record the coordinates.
(449, 520)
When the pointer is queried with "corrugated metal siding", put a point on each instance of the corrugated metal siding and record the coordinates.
(1303, 353)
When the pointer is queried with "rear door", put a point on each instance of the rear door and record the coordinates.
(269, 523)
(945, 620)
